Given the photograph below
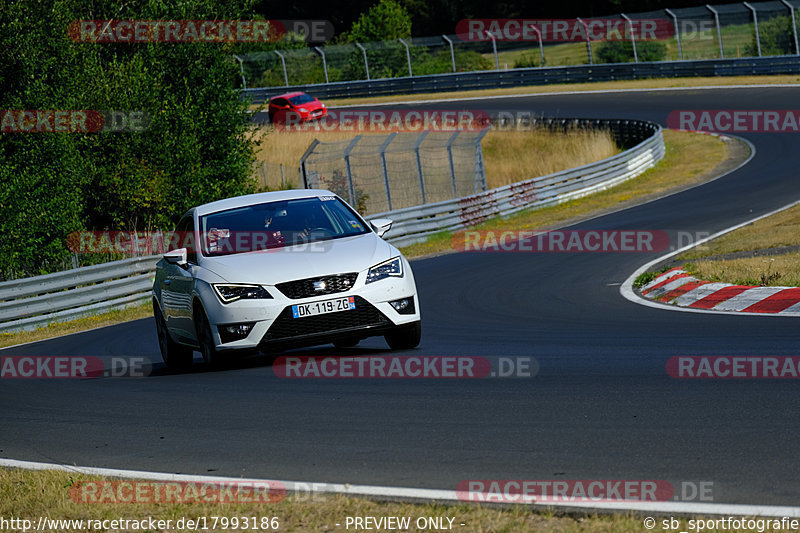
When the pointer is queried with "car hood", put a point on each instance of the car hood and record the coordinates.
(269, 267)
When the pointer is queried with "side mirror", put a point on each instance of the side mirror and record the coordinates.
(381, 225)
(176, 257)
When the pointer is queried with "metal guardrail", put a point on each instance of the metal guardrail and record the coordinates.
(31, 303)
(35, 302)
(520, 77)
(415, 224)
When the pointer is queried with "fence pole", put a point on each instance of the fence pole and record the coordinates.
(794, 26)
(283, 178)
(308, 152)
(241, 69)
(366, 63)
(452, 52)
(677, 33)
(350, 184)
(633, 36)
(408, 56)
(494, 49)
(755, 22)
(719, 32)
(588, 42)
(450, 160)
(324, 63)
(539, 35)
(384, 147)
(283, 61)
(419, 163)
(480, 170)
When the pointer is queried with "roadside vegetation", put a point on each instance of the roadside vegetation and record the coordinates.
(509, 156)
(764, 253)
(33, 494)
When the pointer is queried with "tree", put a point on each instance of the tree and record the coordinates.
(195, 148)
(386, 21)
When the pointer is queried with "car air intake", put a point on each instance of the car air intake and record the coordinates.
(310, 287)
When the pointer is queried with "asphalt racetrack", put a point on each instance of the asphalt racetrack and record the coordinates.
(601, 406)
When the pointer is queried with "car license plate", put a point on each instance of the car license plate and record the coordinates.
(323, 307)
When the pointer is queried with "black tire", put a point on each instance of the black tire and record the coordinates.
(404, 337)
(346, 343)
(175, 356)
(205, 338)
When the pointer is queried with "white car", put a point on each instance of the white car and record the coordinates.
(274, 270)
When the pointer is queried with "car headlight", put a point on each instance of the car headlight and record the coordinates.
(392, 267)
(230, 292)
(302, 110)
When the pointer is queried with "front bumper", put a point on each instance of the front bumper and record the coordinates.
(273, 325)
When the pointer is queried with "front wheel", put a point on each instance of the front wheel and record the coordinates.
(404, 337)
(205, 339)
(175, 356)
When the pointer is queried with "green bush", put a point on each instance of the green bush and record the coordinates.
(777, 37)
(622, 51)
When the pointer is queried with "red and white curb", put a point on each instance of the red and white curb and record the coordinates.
(677, 287)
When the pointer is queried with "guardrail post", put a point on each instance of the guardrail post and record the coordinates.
(350, 184)
(719, 32)
(283, 61)
(755, 22)
(794, 26)
(384, 147)
(324, 63)
(419, 164)
(633, 36)
(452, 52)
(366, 63)
(588, 42)
(539, 35)
(308, 152)
(494, 49)
(241, 69)
(450, 142)
(677, 33)
(480, 170)
(408, 56)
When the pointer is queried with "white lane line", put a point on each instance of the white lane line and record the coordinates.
(423, 494)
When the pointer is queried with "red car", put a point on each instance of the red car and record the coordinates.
(295, 107)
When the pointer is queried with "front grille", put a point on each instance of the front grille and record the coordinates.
(304, 288)
(365, 315)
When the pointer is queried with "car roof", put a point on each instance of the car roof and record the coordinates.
(259, 198)
(288, 95)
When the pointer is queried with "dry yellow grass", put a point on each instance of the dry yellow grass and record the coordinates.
(777, 271)
(779, 230)
(509, 156)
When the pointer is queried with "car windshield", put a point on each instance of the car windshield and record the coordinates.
(278, 224)
(301, 99)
